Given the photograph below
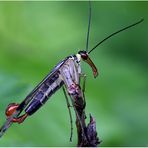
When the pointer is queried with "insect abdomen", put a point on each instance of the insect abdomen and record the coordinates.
(47, 89)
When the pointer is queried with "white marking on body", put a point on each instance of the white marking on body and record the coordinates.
(53, 85)
(48, 90)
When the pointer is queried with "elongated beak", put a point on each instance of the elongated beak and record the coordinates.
(92, 65)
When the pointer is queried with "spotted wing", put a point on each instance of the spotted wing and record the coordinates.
(25, 102)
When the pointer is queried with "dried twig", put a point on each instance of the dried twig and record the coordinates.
(88, 138)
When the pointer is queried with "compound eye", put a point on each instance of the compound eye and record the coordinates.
(84, 56)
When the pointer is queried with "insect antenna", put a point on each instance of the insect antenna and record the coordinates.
(88, 30)
(115, 34)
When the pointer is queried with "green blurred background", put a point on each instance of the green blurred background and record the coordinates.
(34, 36)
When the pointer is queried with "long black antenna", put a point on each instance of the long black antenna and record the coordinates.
(115, 34)
(89, 21)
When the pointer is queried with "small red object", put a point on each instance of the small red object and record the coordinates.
(11, 109)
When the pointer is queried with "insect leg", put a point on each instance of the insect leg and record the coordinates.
(79, 121)
(76, 96)
(83, 76)
(68, 105)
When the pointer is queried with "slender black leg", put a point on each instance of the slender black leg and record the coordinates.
(83, 76)
(71, 80)
(68, 105)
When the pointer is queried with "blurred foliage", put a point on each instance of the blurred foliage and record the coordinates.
(34, 36)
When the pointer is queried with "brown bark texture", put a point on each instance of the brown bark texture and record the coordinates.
(87, 134)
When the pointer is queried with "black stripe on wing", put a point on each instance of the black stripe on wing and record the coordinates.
(25, 102)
